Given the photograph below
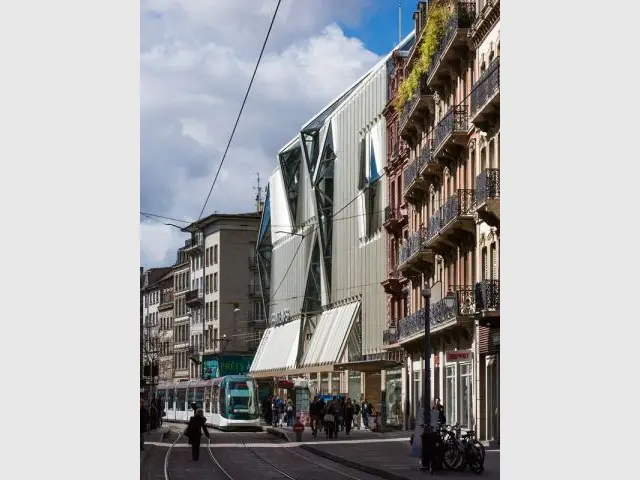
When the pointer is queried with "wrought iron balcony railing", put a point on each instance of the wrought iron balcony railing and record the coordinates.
(434, 224)
(486, 87)
(390, 336)
(412, 244)
(166, 298)
(455, 121)
(459, 204)
(409, 175)
(463, 16)
(442, 311)
(488, 185)
(409, 107)
(488, 295)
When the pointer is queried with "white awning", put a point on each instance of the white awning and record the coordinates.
(330, 336)
(278, 348)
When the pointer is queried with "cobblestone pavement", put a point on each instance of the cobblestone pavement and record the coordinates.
(392, 460)
(241, 462)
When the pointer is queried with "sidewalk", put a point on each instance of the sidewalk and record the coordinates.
(355, 435)
(392, 460)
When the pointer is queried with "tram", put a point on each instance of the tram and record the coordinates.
(229, 403)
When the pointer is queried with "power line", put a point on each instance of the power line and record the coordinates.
(224, 155)
(152, 215)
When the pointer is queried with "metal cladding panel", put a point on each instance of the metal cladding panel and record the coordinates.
(306, 202)
(359, 266)
(329, 337)
(278, 348)
(288, 287)
(280, 219)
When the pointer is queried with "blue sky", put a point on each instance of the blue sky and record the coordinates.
(378, 29)
(196, 58)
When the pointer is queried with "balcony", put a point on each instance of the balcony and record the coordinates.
(253, 262)
(194, 298)
(427, 165)
(255, 319)
(415, 110)
(166, 301)
(194, 353)
(487, 294)
(445, 63)
(392, 285)
(453, 223)
(414, 257)
(255, 290)
(394, 220)
(451, 133)
(194, 245)
(487, 201)
(485, 98)
(414, 184)
(390, 336)
(453, 311)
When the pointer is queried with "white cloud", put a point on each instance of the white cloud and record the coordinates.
(196, 61)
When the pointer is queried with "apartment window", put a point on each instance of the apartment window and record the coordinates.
(215, 281)
(206, 256)
(215, 309)
(494, 261)
(258, 311)
(215, 254)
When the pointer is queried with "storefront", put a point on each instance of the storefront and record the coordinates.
(458, 388)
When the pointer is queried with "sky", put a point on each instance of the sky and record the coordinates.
(196, 60)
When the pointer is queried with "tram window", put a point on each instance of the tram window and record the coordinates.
(207, 400)
(216, 397)
(182, 395)
(223, 403)
(170, 399)
(241, 398)
(199, 396)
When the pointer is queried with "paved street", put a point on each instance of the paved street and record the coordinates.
(366, 456)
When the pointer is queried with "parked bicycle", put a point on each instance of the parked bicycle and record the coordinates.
(457, 450)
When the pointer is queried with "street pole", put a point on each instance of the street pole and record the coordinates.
(426, 293)
(202, 307)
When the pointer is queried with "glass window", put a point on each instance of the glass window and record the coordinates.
(416, 392)
(450, 394)
(324, 383)
(170, 395)
(182, 395)
(199, 396)
(207, 400)
(354, 386)
(242, 399)
(466, 390)
(394, 396)
(215, 394)
(335, 383)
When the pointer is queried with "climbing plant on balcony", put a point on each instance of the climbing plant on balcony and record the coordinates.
(439, 14)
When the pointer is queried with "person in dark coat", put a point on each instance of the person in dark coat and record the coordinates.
(348, 416)
(194, 432)
(144, 423)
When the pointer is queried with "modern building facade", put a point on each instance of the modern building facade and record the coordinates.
(322, 248)
(225, 300)
(448, 116)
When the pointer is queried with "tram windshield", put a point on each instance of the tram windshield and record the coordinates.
(242, 397)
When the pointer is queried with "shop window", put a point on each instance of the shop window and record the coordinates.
(451, 402)
(394, 396)
(466, 395)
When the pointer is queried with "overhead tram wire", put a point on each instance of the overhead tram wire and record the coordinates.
(152, 215)
(224, 155)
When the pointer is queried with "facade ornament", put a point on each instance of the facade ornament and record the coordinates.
(472, 145)
(436, 98)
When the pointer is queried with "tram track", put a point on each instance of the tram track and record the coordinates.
(236, 468)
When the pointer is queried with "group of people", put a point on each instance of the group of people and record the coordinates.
(150, 418)
(278, 411)
(338, 415)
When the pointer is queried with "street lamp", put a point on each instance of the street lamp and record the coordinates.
(450, 300)
(428, 443)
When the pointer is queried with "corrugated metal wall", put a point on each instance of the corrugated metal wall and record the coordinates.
(359, 267)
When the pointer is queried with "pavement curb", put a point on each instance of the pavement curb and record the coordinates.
(349, 463)
(277, 433)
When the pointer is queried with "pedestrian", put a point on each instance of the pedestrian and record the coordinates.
(356, 415)
(442, 420)
(330, 419)
(197, 425)
(144, 423)
(153, 416)
(289, 413)
(366, 411)
(160, 408)
(348, 416)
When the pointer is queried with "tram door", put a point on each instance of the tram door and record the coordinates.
(215, 404)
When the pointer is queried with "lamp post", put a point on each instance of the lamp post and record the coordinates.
(428, 440)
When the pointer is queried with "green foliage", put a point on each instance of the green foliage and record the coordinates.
(439, 15)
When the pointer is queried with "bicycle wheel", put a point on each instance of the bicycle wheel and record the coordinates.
(450, 457)
(474, 459)
(480, 447)
(462, 456)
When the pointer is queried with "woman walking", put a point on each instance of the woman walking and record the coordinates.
(348, 416)
(194, 434)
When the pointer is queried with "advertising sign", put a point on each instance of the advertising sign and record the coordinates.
(219, 366)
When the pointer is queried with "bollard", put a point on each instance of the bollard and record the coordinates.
(298, 428)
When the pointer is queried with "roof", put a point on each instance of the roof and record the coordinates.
(213, 218)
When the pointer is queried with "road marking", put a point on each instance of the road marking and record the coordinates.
(286, 445)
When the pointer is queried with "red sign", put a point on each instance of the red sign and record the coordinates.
(298, 427)
(457, 356)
